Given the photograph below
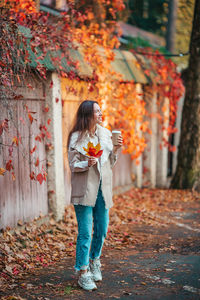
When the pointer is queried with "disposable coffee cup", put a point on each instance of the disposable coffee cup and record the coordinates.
(115, 135)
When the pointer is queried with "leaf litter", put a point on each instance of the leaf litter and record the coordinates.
(31, 247)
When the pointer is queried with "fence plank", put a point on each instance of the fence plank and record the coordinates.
(139, 166)
(165, 148)
(21, 199)
(153, 153)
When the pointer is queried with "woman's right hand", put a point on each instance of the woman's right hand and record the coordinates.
(92, 161)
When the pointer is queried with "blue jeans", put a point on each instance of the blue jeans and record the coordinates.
(86, 216)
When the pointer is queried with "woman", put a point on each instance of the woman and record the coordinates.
(91, 195)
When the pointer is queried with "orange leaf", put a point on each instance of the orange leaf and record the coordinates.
(37, 162)
(172, 148)
(98, 147)
(147, 72)
(15, 141)
(13, 176)
(137, 162)
(30, 118)
(2, 171)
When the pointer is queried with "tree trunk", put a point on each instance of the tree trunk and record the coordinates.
(171, 25)
(187, 173)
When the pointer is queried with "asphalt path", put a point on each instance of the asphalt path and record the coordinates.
(166, 268)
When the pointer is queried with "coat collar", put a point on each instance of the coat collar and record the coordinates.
(104, 138)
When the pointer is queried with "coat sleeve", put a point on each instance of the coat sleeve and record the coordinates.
(76, 164)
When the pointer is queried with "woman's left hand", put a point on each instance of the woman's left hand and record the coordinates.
(119, 143)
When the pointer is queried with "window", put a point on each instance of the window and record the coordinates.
(50, 3)
(55, 4)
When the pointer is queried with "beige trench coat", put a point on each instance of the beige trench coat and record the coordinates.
(85, 181)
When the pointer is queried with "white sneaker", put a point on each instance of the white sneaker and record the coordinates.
(95, 268)
(86, 281)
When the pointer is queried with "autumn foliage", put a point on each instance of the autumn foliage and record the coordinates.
(93, 29)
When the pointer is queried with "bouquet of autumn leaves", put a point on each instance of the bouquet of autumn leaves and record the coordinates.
(92, 150)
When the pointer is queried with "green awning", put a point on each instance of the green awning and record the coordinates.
(127, 65)
(124, 63)
(84, 70)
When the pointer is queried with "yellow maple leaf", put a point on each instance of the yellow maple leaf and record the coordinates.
(92, 150)
(15, 141)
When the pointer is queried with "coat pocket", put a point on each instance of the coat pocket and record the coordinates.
(79, 183)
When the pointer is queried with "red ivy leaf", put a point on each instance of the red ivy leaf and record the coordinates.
(90, 88)
(29, 86)
(48, 135)
(4, 126)
(45, 109)
(33, 150)
(38, 138)
(10, 150)
(32, 175)
(9, 165)
(18, 97)
(40, 178)
(51, 84)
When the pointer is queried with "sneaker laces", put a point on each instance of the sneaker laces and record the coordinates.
(87, 277)
(96, 265)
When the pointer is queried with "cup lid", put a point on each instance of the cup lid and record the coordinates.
(116, 131)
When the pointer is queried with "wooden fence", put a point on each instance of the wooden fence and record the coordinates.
(22, 199)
